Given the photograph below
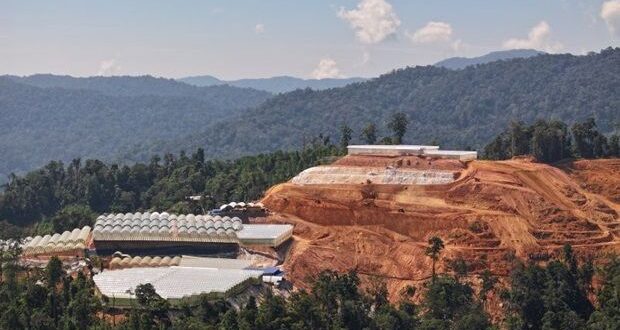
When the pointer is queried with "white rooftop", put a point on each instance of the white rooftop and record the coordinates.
(266, 231)
(453, 154)
(171, 282)
(450, 152)
(392, 147)
(222, 263)
(402, 150)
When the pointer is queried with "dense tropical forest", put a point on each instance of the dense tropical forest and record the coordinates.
(455, 108)
(554, 296)
(457, 63)
(552, 141)
(132, 118)
(48, 117)
(58, 197)
(280, 84)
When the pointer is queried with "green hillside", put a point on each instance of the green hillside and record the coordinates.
(67, 118)
(453, 108)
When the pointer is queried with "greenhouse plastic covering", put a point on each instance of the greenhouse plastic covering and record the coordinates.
(172, 282)
(191, 261)
(241, 205)
(167, 227)
(49, 244)
(134, 262)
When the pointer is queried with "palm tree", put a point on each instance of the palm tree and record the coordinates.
(435, 245)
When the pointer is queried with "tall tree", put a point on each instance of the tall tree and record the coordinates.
(345, 136)
(549, 141)
(614, 145)
(54, 272)
(369, 134)
(435, 245)
(398, 124)
(585, 134)
(519, 139)
(608, 314)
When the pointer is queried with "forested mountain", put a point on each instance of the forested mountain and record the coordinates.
(58, 192)
(48, 117)
(455, 108)
(224, 97)
(279, 84)
(456, 63)
(98, 117)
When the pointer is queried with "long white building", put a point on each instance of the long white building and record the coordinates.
(410, 150)
(174, 283)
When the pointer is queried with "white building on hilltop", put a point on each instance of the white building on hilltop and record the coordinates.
(410, 150)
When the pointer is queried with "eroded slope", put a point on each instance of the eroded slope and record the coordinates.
(491, 211)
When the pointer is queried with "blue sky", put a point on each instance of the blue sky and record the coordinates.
(306, 38)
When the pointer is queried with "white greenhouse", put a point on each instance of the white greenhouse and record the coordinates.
(65, 243)
(174, 283)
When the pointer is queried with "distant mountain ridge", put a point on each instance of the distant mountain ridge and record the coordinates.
(455, 108)
(47, 117)
(221, 96)
(457, 63)
(280, 84)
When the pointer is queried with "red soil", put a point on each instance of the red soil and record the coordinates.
(495, 210)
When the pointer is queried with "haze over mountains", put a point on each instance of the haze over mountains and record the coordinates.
(281, 84)
(48, 117)
(457, 63)
(455, 108)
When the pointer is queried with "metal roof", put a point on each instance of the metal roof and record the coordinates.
(172, 282)
(392, 147)
(266, 231)
(190, 261)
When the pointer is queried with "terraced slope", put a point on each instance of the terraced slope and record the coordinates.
(491, 212)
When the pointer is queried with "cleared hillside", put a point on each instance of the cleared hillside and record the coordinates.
(492, 211)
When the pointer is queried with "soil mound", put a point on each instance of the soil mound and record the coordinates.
(491, 212)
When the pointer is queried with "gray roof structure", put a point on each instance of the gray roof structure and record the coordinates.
(186, 228)
(174, 282)
(166, 227)
(265, 234)
(221, 263)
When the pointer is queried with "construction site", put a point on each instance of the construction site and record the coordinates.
(375, 212)
(372, 210)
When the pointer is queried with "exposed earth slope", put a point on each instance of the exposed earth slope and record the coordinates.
(492, 210)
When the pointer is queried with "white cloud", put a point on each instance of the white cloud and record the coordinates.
(436, 33)
(365, 58)
(259, 28)
(458, 45)
(372, 20)
(108, 68)
(327, 68)
(610, 13)
(537, 38)
(432, 32)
